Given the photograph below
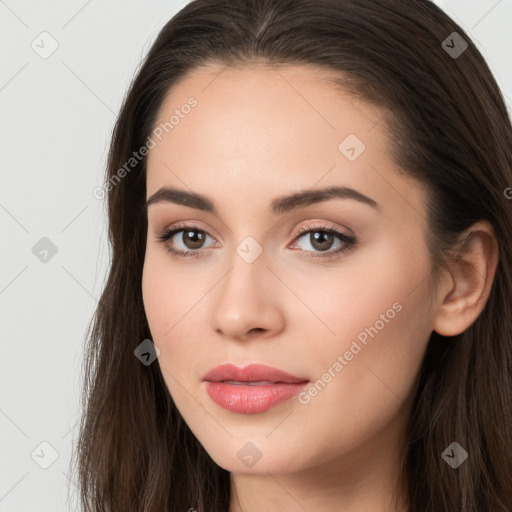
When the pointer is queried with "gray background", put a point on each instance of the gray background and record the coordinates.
(57, 114)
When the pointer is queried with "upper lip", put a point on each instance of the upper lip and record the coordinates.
(251, 373)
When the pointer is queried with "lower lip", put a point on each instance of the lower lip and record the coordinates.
(251, 399)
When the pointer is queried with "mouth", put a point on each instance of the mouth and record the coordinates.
(253, 389)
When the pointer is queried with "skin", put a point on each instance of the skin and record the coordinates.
(258, 133)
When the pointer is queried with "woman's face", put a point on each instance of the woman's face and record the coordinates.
(351, 313)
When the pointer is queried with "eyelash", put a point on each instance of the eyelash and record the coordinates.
(168, 233)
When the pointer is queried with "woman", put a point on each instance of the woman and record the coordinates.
(308, 305)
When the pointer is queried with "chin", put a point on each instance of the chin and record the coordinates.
(258, 457)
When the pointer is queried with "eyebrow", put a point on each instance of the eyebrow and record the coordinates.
(277, 206)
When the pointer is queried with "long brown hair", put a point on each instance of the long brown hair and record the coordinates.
(450, 130)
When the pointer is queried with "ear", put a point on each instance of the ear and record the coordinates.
(469, 282)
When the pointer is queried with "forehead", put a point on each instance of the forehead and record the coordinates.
(270, 130)
(260, 109)
(296, 92)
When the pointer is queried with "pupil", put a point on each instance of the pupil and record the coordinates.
(194, 239)
(320, 238)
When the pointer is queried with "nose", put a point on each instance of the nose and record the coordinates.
(248, 301)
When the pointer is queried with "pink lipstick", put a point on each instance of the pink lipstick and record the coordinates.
(251, 389)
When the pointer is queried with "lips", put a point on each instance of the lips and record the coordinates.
(252, 389)
(251, 374)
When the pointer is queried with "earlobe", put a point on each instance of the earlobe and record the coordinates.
(469, 282)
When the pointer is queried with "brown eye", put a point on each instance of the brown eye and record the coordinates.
(189, 244)
(193, 239)
(321, 240)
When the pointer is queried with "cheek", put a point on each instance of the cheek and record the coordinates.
(359, 387)
(172, 300)
(168, 294)
(376, 310)
(371, 282)
(157, 303)
(381, 320)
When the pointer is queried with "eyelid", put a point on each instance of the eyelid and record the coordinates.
(321, 225)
